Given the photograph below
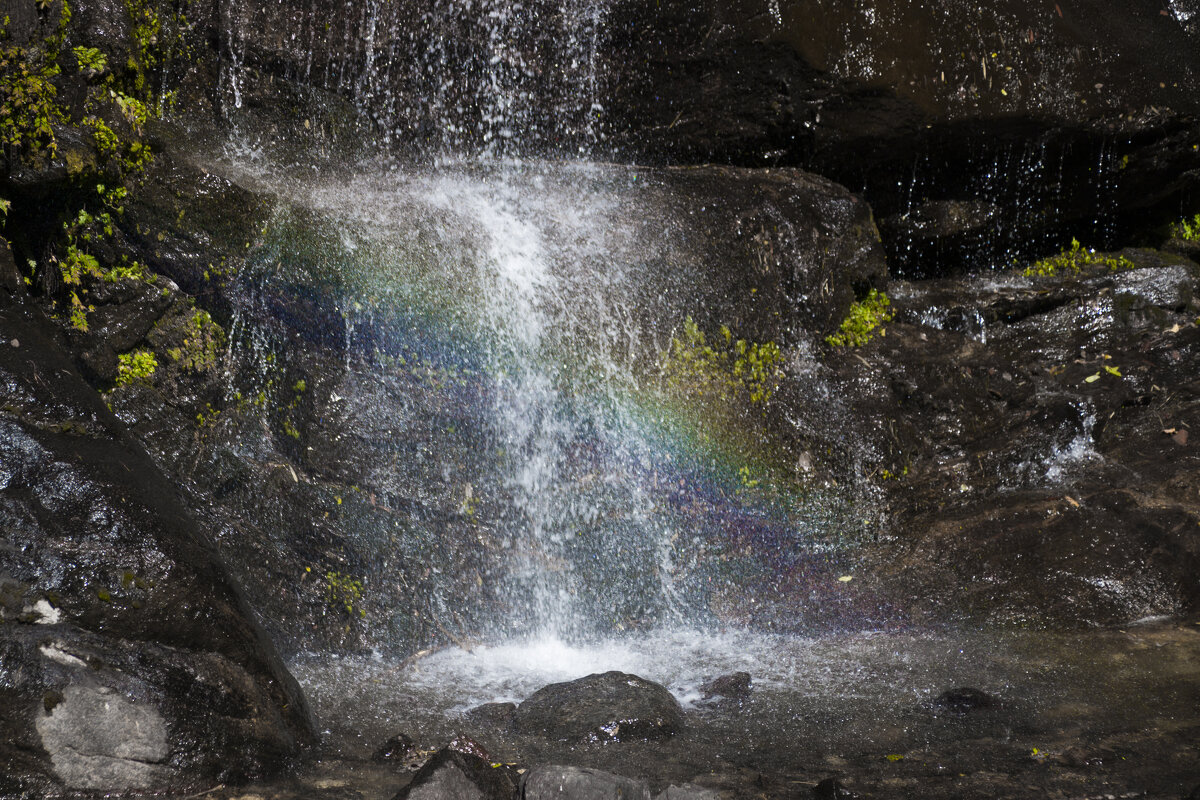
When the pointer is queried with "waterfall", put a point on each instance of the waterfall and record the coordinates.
(490, 77)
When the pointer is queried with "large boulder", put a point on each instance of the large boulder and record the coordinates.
(606, 707)
(1036, 453)
(129, 660)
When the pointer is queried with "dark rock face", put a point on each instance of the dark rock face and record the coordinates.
(130, 658)
(453, 775)
(1017, 59)
(954, 122)
(832, 789)
(1038, 422)
(735, 686)
(812, 247)
(492, 715)
(578, 783)
(964, 699)
(607, 707)
(394, 749)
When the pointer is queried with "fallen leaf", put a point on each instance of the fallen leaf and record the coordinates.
(1059, 10)
(1180, 437)
(1092, 378)
(845, 579)
(1071, 500)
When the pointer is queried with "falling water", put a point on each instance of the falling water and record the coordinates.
(486, 77)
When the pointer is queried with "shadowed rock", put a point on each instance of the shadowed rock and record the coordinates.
(492, 715)
(454, 775)
(394, 749)
(734, 686)
(965, 699)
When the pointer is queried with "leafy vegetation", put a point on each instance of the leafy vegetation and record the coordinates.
(119, 101)
(1074, 260)
(864, 318)
(722, 368)
(137, 366)
(1188, 230)
(90, 61)
(29, 109)
(344, 593)
(202, 342)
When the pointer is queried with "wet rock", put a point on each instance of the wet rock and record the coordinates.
(941, 232)
(942, 218)
(1185, 247)
(832, 789)
(688, 791)
(453, 775)
(10, 277)
(462, 743)
(965, 699)
(1077, 757)
(492, 715)
(394, 749)
(1030, 412)
(134, 662)
(579, 783)
(97, 739)
(608, 707)
(734, 686)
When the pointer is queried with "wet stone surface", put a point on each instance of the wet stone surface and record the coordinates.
(612, 706)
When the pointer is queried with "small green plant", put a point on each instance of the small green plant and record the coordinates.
(1073, 261)
(90, 61)
(208, 417)
(202, 342)
(28, 106)
(344, 594)
(864, 318)
(745, 479)
(76, 265)
(1188, 230)
(692, 364)
(136, 366)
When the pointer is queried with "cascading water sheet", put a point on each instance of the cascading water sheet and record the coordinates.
(615, 469)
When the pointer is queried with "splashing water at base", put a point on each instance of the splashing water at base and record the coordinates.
(866, 693)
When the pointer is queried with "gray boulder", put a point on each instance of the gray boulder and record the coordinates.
(555, 782)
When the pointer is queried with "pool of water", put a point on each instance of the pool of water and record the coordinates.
(1095, 709)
